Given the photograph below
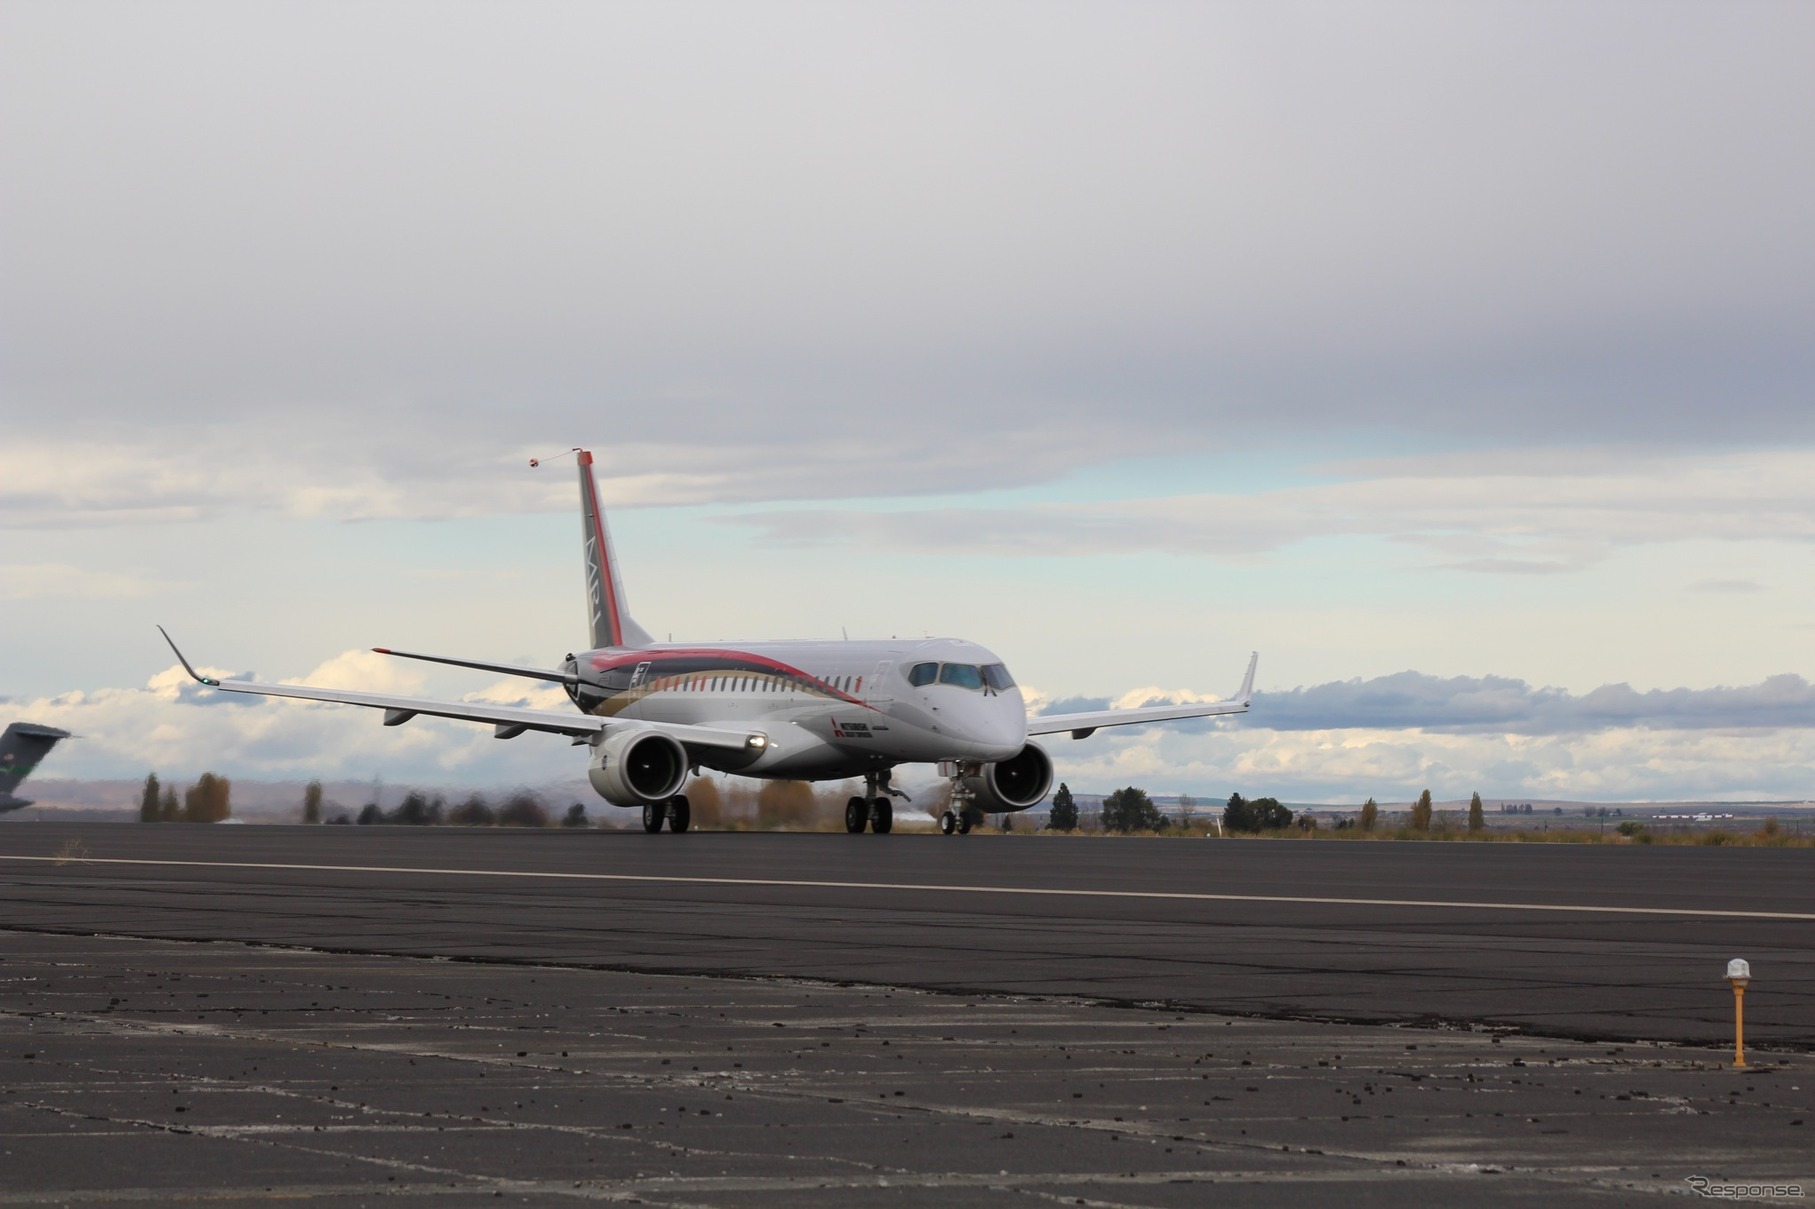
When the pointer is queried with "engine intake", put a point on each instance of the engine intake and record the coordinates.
(634, 767)
(1013, 784)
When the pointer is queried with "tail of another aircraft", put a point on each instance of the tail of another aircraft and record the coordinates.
(612, 624)
(21, 747)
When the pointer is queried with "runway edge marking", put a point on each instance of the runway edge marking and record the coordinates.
(937, 888)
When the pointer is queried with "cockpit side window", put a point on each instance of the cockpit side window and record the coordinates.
(923, 674)
(961, 675)
(997, 677)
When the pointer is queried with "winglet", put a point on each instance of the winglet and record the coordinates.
(1245, 694)
(207, 680)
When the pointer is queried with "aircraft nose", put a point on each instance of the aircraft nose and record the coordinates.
(1000, 726)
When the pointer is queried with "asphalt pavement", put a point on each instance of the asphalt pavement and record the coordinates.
(333, 1015)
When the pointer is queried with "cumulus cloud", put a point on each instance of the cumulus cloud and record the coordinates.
(1499, 704)
(1387, 737)
(180, 728)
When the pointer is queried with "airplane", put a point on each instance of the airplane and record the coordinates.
(652, 713)
(21, 747)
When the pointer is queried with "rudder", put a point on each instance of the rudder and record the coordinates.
(612, 625)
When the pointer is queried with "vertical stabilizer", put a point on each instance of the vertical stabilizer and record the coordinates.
(21, 747)
(605, 606)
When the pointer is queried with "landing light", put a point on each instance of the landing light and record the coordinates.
(757, 742)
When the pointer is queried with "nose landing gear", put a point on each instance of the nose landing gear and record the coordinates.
(962, 815)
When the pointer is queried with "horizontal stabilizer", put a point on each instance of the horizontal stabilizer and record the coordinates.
(503, 669)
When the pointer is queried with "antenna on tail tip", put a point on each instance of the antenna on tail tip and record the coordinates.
(535, 462)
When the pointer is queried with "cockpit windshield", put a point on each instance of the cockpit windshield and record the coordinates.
(991, 677)
(963, 675)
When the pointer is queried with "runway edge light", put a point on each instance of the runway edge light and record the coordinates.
(1739, 975)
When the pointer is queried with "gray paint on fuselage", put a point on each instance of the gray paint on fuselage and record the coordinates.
(819, 703)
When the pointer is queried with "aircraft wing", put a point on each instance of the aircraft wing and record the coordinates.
(21, 747)
(508, 721)
(1082, 726)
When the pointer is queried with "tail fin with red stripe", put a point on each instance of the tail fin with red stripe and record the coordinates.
(612, 625)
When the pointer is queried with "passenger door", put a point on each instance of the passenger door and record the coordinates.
(877, 693)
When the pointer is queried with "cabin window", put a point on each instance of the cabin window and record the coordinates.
(923, 674)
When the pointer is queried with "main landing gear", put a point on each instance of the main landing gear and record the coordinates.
(676, 811)
(873, 810)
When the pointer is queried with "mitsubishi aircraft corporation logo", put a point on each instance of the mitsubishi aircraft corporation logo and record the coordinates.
(595, 579)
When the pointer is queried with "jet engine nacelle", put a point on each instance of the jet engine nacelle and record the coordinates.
(1013, 784)
(633, 767)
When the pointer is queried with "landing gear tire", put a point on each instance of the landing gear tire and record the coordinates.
(654, 813)
(856, 815)
(882, 817)
(680, 813)
(964, 823)
(948, 823)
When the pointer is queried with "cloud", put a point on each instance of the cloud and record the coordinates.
(1617, 764)
(1389, 737)
(1469, 704)
(885, 250)
(1499, 515)
(1732, 586)
(179, 729)
(39, 581)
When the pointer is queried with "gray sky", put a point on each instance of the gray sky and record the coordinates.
(1496, 315)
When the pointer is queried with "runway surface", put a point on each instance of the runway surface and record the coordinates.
(1562, 940)
(244, 1013)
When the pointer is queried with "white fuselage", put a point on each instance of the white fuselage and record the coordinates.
(828, 709)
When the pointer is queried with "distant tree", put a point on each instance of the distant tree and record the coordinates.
(576, 816)
(1269, 814)
(207, 800)
(1187, 809)
(1477, 819)
(1370, 814)
(169, 809)
(1307, 822)
(1064, 814)
(1421, 812)
(148, 802)
(312, 802)
(706, 802)
(1261, 814)
(370, 815)
(785, 804)
(1130, 809)
(522, 809)
(413, 811)
(474, 812)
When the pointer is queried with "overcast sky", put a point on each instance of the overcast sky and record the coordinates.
(1470, 343)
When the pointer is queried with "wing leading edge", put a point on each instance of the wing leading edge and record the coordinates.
(1082, 726)
(509, 721)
